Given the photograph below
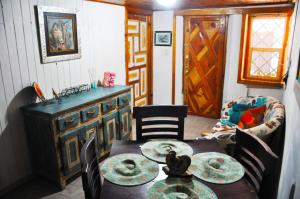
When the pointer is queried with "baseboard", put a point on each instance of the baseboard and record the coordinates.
(15, 185)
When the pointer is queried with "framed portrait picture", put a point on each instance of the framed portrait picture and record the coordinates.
(59, 34)
(163, 38)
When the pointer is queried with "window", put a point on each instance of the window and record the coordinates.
(263, 49)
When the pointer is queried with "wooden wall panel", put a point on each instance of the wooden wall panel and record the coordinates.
(20, 65)
(190, 4)
(12, 44)
(29, 40)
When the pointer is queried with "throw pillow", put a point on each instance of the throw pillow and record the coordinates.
(252, 117)
(237, 111)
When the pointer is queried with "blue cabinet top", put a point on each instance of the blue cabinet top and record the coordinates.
(73, 101)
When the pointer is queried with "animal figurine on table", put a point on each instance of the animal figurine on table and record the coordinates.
(177, 165)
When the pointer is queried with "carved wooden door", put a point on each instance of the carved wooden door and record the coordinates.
(205, 43)
(138, 58)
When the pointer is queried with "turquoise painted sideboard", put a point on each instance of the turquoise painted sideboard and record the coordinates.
(56, 131)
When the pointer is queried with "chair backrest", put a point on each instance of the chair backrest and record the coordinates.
(257, 158)
(163, 121)
(91, 180)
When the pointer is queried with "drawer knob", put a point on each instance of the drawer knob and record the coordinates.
(91, 112)
(110, 106)
(69, 121)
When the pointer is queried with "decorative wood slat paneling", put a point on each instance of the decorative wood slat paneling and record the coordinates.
(29, 40)
(39, 67)
(20, 65)
(20, 40)
(5, 66)
(11, 44)
(1, 14)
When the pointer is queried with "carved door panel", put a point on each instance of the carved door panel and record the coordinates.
(70, 149)
(93, 129)
(205, 44)
(125, 122)
(138, 55)
(111, 129)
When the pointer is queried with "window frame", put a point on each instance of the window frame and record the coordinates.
(246, 55)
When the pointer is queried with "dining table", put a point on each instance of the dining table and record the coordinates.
(236, 190)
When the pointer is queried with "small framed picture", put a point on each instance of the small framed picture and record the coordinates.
(163, 38)
(59, 35)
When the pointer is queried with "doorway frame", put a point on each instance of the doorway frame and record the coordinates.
(149, 16)
(184, 65)
(219, 11)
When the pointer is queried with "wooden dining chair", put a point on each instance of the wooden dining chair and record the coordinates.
(91, 180)
(161, 121)
(258, 160)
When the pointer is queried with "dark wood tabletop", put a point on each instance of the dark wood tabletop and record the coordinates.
(236, 190)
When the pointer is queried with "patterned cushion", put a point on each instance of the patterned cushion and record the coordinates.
(224, 130)
(252, 117)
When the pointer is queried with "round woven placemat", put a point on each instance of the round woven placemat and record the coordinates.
(216, 168)
(158, 149)
(174, 188)
(129, 169)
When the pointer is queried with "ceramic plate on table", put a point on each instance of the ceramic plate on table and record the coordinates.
(158, 149)
(216, 168)
(129, 169)
(172, 188)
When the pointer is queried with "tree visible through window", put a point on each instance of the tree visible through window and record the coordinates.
(262, 58)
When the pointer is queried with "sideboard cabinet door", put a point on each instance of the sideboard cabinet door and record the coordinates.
(110, 128)
(92, 129)
(125, 123)
(70, 149)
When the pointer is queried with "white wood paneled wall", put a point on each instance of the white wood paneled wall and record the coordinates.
(102, 38)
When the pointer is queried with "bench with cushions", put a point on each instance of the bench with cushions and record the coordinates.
(258, 115)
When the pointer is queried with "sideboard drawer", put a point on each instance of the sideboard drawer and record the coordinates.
(89, 113)
(124, 100)
(109, 105)
(69, 121)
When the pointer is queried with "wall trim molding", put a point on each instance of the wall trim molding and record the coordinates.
(174, 59)
(286, 7)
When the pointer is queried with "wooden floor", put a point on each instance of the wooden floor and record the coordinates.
(38, 188)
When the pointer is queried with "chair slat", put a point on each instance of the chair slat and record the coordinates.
(161, 111)
(156, 122)
(162, 136)
(160, 118)
(148, 130)
(252, 180)
(254, 159)
(252, 168)
(257, 158)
